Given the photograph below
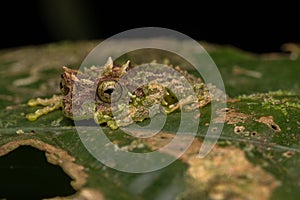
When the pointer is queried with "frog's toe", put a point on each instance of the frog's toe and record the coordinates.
(32, 116)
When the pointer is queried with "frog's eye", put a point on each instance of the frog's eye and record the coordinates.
(63, 87)
(105, 90)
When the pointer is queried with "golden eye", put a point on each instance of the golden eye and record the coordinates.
(105, 90)
(63, 87)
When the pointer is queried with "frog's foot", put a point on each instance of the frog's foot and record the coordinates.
(54, 103)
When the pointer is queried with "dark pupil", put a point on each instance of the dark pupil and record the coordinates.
(109, 91)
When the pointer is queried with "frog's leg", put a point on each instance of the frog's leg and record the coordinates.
(54, 103)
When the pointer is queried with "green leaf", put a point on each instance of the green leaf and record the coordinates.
(256, 156)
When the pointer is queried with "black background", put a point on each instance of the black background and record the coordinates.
(251, 27)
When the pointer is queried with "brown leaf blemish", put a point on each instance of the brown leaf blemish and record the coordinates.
(226, 173)
(239, 129)
(231, 116)
(269, 121)
(288, 154)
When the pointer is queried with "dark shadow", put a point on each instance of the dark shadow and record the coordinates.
(26, 174)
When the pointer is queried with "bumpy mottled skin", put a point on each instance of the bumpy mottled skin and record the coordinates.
(85, 95)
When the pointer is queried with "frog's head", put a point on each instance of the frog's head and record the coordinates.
(68, 78)
(82, 103)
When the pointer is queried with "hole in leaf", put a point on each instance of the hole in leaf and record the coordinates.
(254, 133)
(26, 174)
(274, 127)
